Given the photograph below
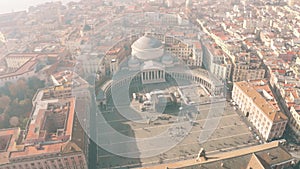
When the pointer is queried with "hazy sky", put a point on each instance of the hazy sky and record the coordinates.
(17, 5)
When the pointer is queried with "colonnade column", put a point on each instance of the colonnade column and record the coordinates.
(153, 75)
(147, 75)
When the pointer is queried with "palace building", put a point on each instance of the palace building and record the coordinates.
(256, 100)
(54, 137)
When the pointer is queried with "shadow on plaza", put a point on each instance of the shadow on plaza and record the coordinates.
(119, 123)
(109, 160)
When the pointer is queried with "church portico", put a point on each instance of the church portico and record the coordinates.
(153, 76)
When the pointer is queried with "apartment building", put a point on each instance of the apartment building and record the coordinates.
(189, 52)
(15, 61)
(216, 61)
(256, 100)
(248, 67)
(295, 119)
(25, 65)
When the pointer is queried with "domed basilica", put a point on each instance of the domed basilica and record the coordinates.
(149, 57)
(152, 59)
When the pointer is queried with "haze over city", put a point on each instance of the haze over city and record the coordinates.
(150, 84)
(7, 6)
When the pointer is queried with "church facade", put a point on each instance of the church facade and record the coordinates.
(150, 60)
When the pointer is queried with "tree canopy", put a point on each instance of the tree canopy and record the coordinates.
(16, 100)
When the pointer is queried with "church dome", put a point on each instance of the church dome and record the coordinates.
(147, 48)
(147, 43)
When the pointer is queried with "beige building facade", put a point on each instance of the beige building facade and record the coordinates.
(256, 101)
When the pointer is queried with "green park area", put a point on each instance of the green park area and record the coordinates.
(16, 101)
